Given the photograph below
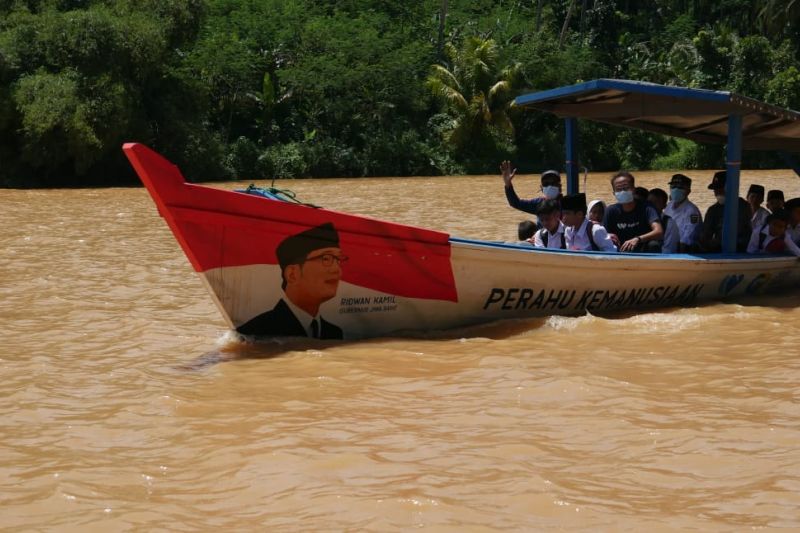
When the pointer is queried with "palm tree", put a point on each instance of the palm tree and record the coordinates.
(566, 24)
(476, 92)
(776, 16)
(442, 19)
(538, 15)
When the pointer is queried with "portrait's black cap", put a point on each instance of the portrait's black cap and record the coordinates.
(792, 204)
(682, 180)
(553, 175)
(574, 202)
(756, 189)
(295, 248)
(775, 194)
(718, 181)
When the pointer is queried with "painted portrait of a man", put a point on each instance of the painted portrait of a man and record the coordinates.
(311, 268)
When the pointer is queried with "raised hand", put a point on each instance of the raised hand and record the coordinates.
(508, 172)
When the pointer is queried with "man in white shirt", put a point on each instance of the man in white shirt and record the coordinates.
(581, 233)
(684, 214)
(552, 233)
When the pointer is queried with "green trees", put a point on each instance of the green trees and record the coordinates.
(477, 94)
(79, 81)
(262, 88)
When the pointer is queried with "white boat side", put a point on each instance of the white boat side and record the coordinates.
(499, 281)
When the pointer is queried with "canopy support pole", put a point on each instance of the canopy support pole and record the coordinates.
(733, 164)
(571, 143)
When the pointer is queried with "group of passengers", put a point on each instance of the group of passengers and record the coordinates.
(651, 220)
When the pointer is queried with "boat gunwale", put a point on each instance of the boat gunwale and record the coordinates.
(707, 257)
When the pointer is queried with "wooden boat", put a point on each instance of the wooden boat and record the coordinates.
(280, 268)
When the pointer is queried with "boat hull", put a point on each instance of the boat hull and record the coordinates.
(400, 278)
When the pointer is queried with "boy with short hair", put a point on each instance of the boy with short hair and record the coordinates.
(552, 233)
(581, 233)
(526, 229)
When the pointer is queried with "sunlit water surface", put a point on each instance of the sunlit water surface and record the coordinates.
(127, 406)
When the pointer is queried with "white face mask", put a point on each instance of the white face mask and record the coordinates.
(721, 199)
(624, 197)
(551, 192)
(678, 195)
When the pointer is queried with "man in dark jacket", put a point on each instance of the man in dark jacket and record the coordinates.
(712, 222)
(550, 183)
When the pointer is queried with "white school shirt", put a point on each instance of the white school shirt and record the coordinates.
(759, 218)
(578, 240)
(553, 239)
(753, 247)
(792, 238)
(687, 219)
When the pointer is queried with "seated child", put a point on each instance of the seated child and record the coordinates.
(526, 230)
(597, 209)
(552, 233)
(581, 233)
(769, 238)
(793, 227)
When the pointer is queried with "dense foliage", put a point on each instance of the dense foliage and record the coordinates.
(291, 88)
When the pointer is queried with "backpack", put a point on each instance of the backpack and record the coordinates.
(590, 236)
(545, 236)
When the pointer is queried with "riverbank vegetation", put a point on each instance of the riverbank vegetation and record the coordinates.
(254, 89)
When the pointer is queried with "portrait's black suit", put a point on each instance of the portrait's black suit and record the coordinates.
(281, 321)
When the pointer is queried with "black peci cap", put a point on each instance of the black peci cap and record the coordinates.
(295, 248)
(775, 194)
(718, 181)
(574, 202)
(756, 189)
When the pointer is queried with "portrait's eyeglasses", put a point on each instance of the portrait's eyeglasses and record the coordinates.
(328, 259)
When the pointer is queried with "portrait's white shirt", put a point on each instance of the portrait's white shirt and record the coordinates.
(304, 318)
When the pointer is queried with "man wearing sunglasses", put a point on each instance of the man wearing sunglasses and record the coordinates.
(311, 267)
(684, 215)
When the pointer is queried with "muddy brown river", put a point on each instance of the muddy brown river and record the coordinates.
(127, 406)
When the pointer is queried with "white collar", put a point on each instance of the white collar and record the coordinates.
(583, 225)
(559, 229)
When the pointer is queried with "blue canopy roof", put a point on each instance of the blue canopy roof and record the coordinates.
(696, 114)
